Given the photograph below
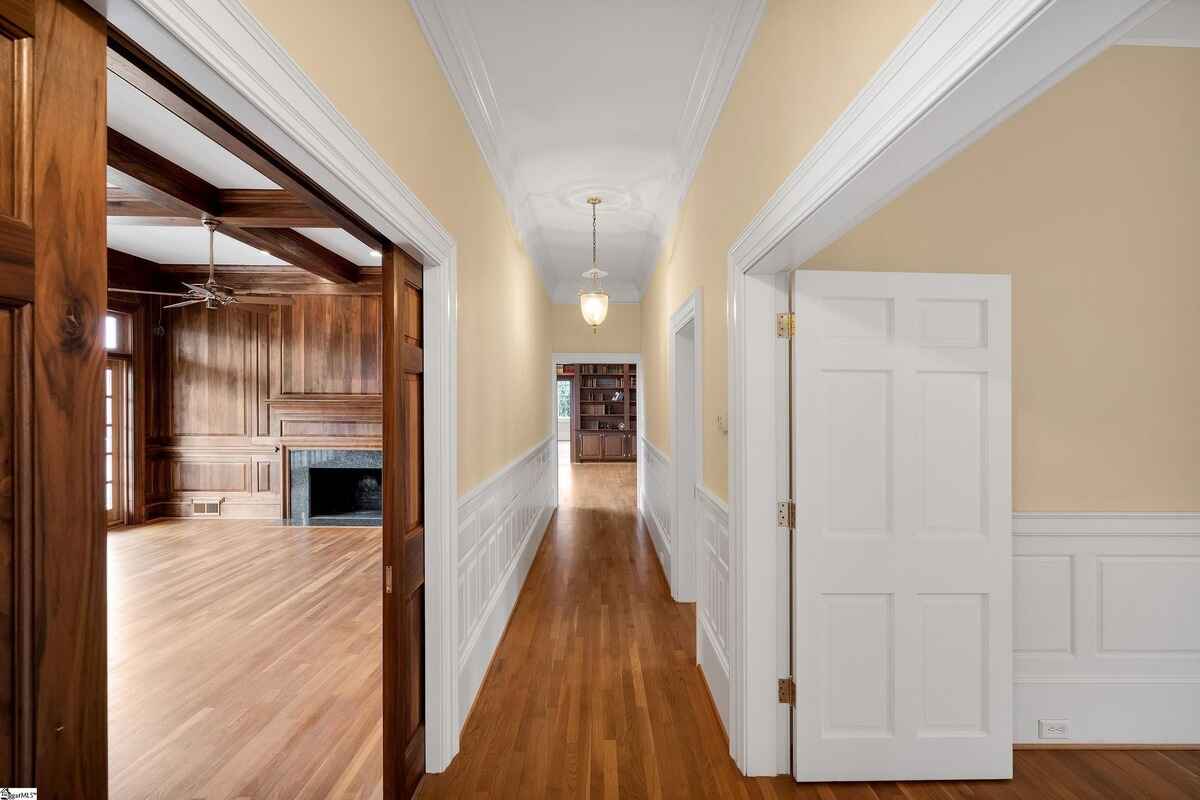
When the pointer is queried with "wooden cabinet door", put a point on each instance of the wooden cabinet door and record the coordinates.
(53, 721)
(591, 446)
(613, 446)
(403, 527)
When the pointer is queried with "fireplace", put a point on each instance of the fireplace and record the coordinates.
(335, 487)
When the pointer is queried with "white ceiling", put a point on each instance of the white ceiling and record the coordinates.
(1177, 25)
(572, 98)
(177, 244)
(146, 122)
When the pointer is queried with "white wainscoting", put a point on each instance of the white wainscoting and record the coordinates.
(655, 502)
(501, 524)
(712, 607)
(1106, 624)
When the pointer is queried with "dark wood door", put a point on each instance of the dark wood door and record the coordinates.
(403, 528)
(52, 287)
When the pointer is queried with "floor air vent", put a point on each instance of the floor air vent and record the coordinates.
(206, 507)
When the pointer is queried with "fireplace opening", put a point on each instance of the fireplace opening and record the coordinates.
(345, 492)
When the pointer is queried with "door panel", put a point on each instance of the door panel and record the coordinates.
(903, 548)
(613, 446)
(403, 528)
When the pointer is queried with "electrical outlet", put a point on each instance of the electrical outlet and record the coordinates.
(1054, 729)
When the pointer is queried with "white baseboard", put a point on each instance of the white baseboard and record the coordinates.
(656, 502)
(715, 669)
(502, 523)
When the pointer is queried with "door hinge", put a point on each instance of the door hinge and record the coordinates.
(787, 691)
(387, 579)
(785, 325)
(785, 514)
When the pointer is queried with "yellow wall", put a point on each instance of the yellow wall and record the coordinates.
(371, 59)
(620, 333)
(1089, 198)
(808, 60)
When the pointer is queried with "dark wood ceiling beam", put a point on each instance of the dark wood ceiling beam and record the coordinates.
(127, 271)
(147, 176)
(258, 208)
(298, 250)
(173, 94)
(269, 208)
(277, 280)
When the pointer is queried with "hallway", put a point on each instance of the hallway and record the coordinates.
(594, 690)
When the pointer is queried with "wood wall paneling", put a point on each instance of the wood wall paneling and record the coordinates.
(229, 391)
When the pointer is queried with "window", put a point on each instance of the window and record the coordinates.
(117, 340)
(116, 332)
(564, 399)
(114, 430)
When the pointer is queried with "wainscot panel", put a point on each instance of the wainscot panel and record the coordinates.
(1106, 630)
(501, 524)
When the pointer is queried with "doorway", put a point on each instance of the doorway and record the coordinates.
(596, 410)
(687, 446)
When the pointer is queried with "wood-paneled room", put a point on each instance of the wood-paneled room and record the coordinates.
(258, 501)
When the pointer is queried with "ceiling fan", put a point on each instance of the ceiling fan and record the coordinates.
(211, 293)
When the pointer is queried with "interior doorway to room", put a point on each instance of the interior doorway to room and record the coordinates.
(264, 450)
(596, 409)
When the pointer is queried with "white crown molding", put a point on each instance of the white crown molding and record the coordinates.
(729, 39)
(952, 41)
(450, 35)
(448, 29)
(223, 51)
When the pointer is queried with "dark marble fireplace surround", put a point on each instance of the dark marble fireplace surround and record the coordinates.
(344, 483)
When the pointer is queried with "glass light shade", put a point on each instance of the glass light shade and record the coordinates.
(594, 306)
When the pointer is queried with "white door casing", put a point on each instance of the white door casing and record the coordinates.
(903, 536)
(684, 362)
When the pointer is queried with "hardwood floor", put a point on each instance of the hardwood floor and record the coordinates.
(244, 661)
(594, 690)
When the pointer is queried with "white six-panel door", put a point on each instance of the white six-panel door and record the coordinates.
(903, 538)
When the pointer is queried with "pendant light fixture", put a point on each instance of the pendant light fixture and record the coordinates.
(593, 302)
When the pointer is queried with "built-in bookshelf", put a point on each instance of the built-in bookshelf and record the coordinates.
(604, 412)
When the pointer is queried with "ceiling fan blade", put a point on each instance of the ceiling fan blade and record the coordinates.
(197, 287)
(147, 291)
(184, 303)
(263, 300)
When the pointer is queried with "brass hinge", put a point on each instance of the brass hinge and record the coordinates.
(387, 579)
(785, 325)
(787, 691)
(785, 514)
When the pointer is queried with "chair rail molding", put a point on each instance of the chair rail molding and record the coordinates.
(224, 52)
(964, 68)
